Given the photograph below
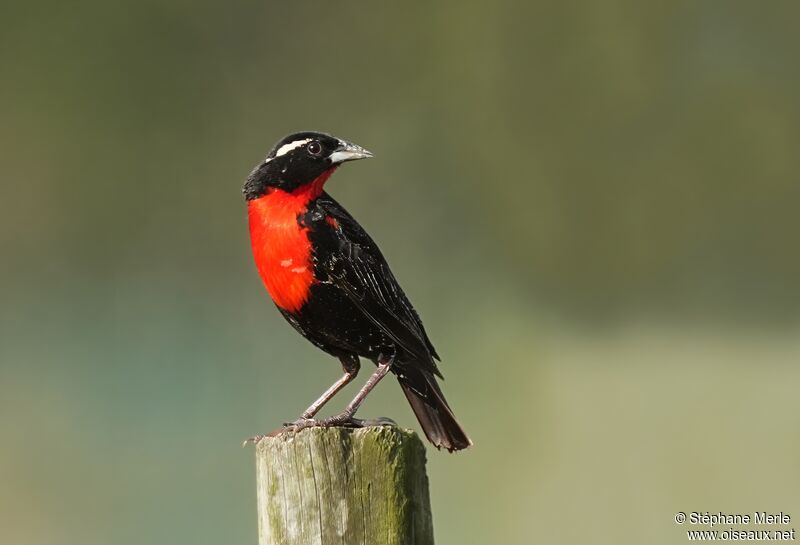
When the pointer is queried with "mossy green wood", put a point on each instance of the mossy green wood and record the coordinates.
(343, 486)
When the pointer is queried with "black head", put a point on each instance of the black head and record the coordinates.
(299, 159)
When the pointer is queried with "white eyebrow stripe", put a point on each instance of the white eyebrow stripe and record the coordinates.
(286, 148)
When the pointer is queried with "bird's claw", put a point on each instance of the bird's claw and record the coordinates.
(253, 440)
(300, 424)
(344, 420)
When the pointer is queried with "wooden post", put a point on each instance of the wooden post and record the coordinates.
(343, 486)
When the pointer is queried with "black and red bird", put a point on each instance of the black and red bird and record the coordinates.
(331, 282)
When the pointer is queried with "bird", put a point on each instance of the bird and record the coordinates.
(331, 282)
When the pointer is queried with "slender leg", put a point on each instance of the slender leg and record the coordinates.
(352, 407)
(350, 365)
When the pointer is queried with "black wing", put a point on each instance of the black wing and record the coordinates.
(360, 271)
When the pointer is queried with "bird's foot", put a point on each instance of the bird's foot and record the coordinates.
(348, 421)
(300, 424)
(344, 420)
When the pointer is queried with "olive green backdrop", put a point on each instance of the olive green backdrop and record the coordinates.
(593, 205)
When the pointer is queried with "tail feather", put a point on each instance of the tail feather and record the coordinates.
(433, 412)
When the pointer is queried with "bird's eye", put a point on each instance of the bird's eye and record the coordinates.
(314, 148)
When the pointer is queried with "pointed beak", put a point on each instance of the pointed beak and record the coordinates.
(348, 152)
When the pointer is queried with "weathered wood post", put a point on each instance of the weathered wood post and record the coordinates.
(343, 486)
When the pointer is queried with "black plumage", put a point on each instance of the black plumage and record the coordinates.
(355, 308)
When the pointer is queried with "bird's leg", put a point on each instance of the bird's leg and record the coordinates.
(351, 366)
(346, 416)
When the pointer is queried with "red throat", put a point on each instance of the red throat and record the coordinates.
(281, 247)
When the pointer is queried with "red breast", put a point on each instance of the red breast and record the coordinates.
(281, 247)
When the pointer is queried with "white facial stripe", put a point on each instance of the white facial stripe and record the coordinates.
(286, 148)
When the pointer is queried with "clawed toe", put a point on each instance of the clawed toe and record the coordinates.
(252, 440)
(301, 424)
(343, 420)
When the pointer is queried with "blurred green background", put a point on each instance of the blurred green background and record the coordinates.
(594, 207)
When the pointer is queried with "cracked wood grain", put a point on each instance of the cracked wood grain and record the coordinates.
(343, 486)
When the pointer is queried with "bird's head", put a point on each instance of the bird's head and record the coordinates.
(300, 159)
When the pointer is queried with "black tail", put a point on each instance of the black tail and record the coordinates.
(433, 412)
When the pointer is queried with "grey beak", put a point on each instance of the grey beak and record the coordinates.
(348, 152)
